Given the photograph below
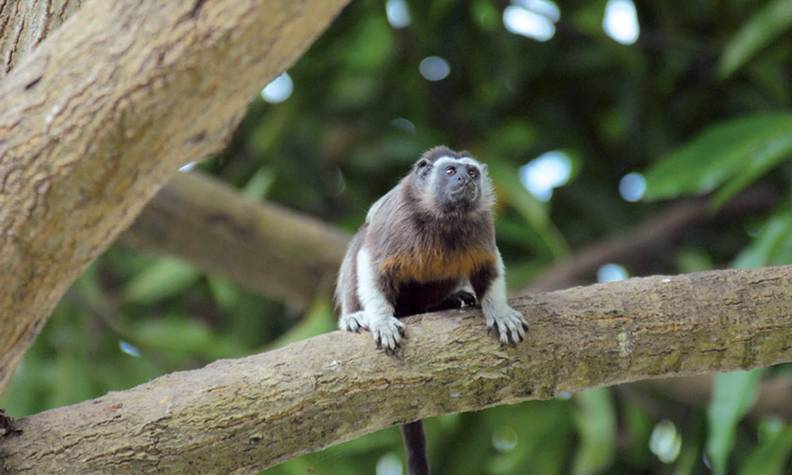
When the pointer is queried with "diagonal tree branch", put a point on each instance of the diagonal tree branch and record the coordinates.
(103, 112)
(247, 414)
(264, 247)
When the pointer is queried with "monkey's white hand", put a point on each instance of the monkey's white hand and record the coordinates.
(510, 323)
(387, 332)
(353, 322)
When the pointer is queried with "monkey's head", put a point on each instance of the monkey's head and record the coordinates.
(452, 182)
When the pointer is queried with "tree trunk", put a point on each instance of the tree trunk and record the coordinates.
(102, 114)
(248, 414)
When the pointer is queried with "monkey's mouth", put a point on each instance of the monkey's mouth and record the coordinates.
(464, 192)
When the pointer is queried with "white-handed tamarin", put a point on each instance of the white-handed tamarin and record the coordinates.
(424, 242)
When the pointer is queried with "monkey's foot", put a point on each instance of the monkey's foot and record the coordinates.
(460, 299)
(387, 332)
(510, 324)
(352, 322)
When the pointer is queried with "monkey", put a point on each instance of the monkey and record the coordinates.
(423, 246)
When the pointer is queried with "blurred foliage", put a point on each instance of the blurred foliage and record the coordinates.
(700, 104)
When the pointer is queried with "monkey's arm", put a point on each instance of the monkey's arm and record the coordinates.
(489, 283)
(378, 311)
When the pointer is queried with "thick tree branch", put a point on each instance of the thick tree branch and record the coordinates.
(104, 111)
(258, 411)
(266, 248)
(25, 24)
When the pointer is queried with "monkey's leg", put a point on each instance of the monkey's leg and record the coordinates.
(490, 286)
(415, 443)
(378, 311)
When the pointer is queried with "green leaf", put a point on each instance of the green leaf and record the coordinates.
(772, 452)
(759, 31)
(180, 336)
(596, 422)
(259, 184)
(739, 150)
(733, 396)
(164, 278)
(772, 246)
(318, 320)
(765, 157)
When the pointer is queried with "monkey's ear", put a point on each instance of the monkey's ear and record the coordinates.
(484, 168)
(422, 165)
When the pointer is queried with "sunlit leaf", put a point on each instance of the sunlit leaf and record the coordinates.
(733, 395)
(764, 26)
(740, 150)
(596, 422)
(162, 279)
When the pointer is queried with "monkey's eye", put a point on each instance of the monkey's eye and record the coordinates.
(473, 173)
(450, 171)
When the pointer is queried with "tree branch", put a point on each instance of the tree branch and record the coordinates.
(263, 247)
(247, 414)
(103, 112)
(639, 245)
(25, 24)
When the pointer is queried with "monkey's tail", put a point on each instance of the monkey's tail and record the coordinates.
(415, 442)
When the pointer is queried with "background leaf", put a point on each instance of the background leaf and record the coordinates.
(764, 26)
(740, 150)
(733, 396)
(596, 422)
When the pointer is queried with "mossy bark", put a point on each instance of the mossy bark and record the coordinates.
(248, 414)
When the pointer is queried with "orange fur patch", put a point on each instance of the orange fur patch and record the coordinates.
(435, 264)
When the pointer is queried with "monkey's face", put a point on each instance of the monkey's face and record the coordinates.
(455, 185)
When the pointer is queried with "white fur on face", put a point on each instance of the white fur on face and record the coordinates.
(488, 197)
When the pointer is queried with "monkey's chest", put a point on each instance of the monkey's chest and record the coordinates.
(430, 265)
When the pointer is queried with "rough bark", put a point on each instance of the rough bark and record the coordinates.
(104, 111)
(251, 413)
(264, 247)
(25, 23)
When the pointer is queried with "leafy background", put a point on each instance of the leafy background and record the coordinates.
(698, 105)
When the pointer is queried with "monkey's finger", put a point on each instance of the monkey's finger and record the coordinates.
(377, 339)
(503, 332)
